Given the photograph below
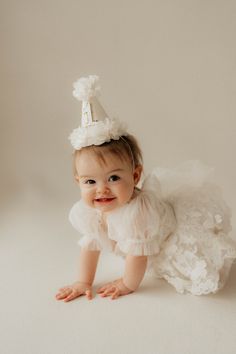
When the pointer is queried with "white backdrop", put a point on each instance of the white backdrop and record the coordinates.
(167, 68)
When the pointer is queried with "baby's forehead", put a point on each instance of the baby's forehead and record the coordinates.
(88, 158)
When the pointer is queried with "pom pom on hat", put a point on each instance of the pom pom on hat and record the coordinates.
(86, 88)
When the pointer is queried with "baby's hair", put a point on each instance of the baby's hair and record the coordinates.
(126, 148)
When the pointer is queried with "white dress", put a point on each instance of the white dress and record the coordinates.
(178, 219)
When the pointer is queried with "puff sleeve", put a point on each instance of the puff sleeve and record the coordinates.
(84, 220)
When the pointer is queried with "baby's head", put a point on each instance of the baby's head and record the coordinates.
(107, 174)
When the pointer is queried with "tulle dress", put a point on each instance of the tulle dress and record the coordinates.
(178, 219)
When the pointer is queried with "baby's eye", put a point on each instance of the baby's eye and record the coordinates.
(114, 178)
(89, 181)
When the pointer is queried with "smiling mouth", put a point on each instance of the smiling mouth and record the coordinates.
(104, 200)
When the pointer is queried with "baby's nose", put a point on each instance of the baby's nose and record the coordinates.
(103, 188)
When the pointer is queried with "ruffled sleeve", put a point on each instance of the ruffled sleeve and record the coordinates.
(85, 221)
(140, 227)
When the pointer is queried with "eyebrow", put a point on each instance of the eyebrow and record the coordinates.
(116, 170)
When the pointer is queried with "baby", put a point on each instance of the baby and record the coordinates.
(176, 226)
(107, 176)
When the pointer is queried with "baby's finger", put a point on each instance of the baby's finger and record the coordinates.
(64, 288)
(63, 294)
(100, 290)
(104, 287)
(116, 294)
(89, 294)
(73, 295)
(109, 291)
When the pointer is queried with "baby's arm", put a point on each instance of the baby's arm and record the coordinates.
(87, 268)
(88, 261)
(135, 267)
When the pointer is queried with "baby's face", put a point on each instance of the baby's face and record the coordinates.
(105, 186)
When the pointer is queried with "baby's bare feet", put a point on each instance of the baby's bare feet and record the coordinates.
(71, 292)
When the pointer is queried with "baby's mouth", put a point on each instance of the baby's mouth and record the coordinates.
(104, 200)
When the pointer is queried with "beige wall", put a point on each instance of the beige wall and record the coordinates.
(166, 67)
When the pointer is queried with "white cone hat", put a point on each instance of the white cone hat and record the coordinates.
(96, 127)
(92, 111)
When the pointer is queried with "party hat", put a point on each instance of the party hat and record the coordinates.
(96, 127)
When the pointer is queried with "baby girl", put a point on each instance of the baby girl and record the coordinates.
(161, 227)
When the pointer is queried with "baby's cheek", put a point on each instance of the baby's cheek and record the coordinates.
(86, 196)
(125, 192)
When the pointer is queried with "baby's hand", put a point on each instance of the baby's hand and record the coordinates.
(115, 289)
(70, 292)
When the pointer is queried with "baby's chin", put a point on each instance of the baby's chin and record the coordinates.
(106, 209)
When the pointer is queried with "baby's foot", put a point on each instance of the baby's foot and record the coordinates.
(71, 292)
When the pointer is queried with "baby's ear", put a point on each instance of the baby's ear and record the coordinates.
(137, 173)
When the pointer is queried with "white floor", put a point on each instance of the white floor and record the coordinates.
(38, 254)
